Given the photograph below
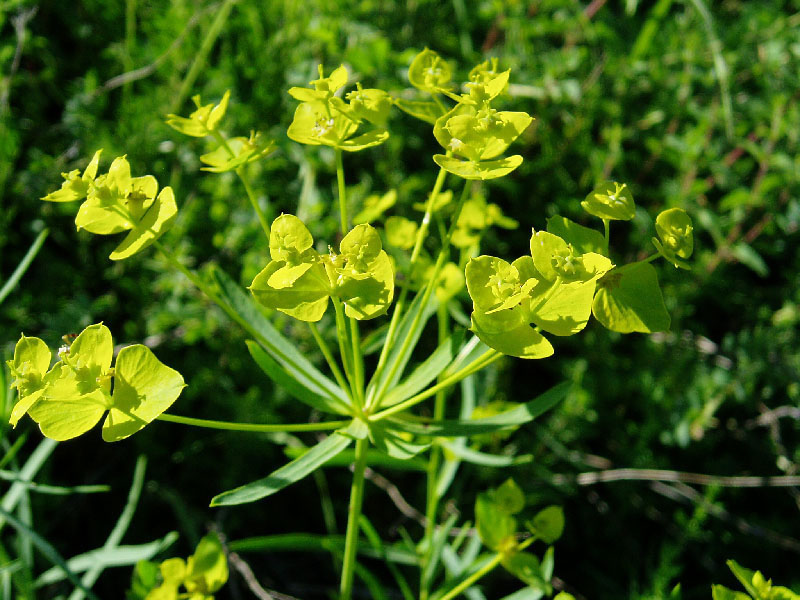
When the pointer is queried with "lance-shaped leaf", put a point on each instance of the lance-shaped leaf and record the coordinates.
(296, 382)
(394, 443)
(629, 299)
(287, 474)
(144, 387)
(76, 186)
(28, 368)
(408, 333)
(154, 223)
(484, 170)
(429, 72)
(282, 349)
(427, 371)
(519, 415)
(610, 200)
(674, 228)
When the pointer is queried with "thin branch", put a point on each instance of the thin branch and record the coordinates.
(20, 23)
(770, 417)
(395, 496)
(611, 475)
(683, 493)
(147, 70)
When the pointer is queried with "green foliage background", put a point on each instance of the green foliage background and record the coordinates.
(694, 104)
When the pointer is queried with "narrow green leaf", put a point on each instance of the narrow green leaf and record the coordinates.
(426, 372)
(304, 542)
(118, 556)
(23, 265)
(405, 340)
(295, 382)
(375, 458)
(47, 550)
(26, 474)
(484, 458)
(287, 474)
(121, 526)
(519, 415)
(281, 349)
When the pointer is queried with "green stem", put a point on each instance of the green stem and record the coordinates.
(422, 232)
(353, 516)
(488, 358)
(607, 232)
(345, 348)
(253, 427)
(240, 172)
(472, 579)
(342, 191)
(358, 359)
(444, 254)
(326, 352)
(484, 570)
(434, 461)
(262, 218)
(202, 54)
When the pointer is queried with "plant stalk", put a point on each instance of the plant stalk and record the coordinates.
(252, 427)
(353, 516)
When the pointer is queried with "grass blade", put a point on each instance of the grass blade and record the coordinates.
(26, 474)
(23, 264)
(47, 550)
(115, 537)
(120, 556)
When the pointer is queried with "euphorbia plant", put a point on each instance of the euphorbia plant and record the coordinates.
(568, 275)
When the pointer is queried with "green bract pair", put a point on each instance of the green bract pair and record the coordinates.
(477, 134)
(72, 396)
(231, 153)
(116, 202)
(327, 120)
(299, 281)
(569, 276)
(553, 289)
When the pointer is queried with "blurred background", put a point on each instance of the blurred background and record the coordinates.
(693, 103)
